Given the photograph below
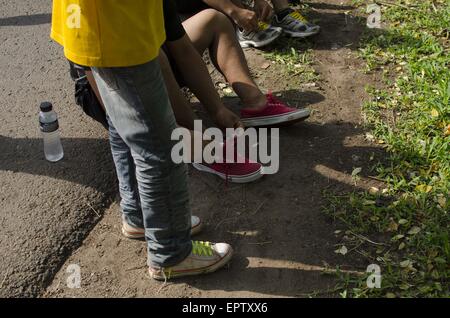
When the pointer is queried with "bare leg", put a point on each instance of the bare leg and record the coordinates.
(93, 84)
(210, 29)
(181, 107)
(280, 5)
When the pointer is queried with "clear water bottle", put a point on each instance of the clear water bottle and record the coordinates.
(48, 121)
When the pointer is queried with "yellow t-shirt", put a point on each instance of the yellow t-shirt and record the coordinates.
(109, 33)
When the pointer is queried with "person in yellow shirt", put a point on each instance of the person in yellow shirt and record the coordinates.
(120, 41)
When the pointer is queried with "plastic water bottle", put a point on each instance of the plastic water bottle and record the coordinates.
(48, 121)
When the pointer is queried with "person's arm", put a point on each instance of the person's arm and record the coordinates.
(264, 10)
(246, 19)
(197, 78)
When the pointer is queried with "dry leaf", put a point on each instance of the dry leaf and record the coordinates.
(369, 202)
(374, 190)
(398, 237)
(356, 171)
(265, 66)
(442, 201)
(424, 188)
(447, 131)
(414, 230)
(370, 137)
(406, 263)
(393, 227)
(343, 250)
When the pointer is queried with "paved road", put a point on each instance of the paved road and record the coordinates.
(45, 209)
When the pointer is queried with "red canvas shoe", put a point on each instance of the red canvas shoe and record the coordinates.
(241, 170)
(275, 113)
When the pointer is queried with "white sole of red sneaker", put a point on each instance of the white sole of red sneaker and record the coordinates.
(232, 178)
(140, 235)
(204, 270)
(288, 118)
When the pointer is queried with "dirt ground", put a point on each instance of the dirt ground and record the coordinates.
(45, 209)
(282, 239)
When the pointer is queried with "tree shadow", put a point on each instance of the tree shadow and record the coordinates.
(283, 242)
(323, 5)
(281, 238)
(340, 28)
(26, 20)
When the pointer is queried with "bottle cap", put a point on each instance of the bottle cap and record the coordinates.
(46, 107)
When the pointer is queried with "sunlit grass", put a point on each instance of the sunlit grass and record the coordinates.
(410, 116)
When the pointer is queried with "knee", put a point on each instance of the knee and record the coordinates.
(218, 20)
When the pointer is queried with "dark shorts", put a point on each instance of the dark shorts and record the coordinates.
(190, 6)
(85, 96)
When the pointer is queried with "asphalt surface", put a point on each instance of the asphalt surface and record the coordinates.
(45, 209)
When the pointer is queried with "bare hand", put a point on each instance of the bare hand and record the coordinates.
(246, 19)
(263, 10)
(225, 118)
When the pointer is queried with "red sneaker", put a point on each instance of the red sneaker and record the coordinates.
(276, 112)
(247, 171)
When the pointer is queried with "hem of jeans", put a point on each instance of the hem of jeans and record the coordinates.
(175, 262)
(127, 220)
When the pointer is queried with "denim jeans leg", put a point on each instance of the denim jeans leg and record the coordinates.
(126, 174)
(138, 106)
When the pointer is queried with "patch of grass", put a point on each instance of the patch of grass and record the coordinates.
(410, 116)
(296, 57)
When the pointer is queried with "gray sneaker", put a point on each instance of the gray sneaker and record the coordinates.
(264, 36)
(296, 26)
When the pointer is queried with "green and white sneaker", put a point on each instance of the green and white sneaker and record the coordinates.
(296, 26)
(265, 35)
(205, 258)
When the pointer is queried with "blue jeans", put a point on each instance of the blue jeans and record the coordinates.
(153, 188)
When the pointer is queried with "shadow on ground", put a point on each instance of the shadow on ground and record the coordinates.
(282, 240)
(277, 226)
(26, 156)
(26, 20)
